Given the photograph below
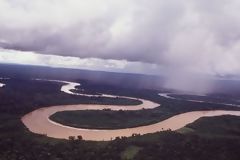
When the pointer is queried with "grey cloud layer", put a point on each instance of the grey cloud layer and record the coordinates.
(192, 35)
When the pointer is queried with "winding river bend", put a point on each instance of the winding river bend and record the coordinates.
(38, 120)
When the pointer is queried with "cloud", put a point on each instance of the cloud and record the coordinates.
(31, 58)
(189, 35)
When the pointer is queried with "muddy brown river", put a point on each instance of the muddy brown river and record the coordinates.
(38, 120)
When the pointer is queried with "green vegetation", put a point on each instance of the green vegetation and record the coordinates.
(107, 119)
(130, 152)
(172, 145)
(185, 130)
(223, 126)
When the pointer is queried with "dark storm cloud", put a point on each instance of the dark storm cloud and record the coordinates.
(190, 35)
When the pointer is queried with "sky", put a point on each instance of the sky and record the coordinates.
(148, 36)
(32, 58)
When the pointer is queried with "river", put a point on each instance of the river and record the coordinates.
(38, 120)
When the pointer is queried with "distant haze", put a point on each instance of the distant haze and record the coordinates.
(182, 38)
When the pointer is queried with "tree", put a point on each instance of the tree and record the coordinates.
(72, 138)
(79, 137)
